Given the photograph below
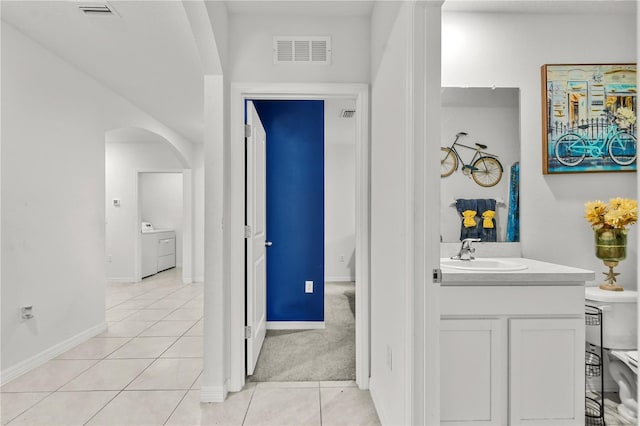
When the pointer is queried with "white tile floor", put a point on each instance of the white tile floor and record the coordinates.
(145, 370)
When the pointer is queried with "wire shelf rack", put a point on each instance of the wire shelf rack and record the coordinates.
(594, 413)
(593, 364)
(592, 315)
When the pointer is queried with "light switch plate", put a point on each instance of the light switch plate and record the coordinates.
(308, 286)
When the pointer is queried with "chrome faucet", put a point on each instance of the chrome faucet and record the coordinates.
(466, 250)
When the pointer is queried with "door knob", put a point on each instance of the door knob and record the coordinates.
(268, 243)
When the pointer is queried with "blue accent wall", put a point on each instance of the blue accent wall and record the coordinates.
(295, 208)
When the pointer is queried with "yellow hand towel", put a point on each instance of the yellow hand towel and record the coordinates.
(488, 216)
(469, 218)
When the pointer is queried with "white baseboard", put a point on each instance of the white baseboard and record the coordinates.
(339, 279)
(199, 279)
(214, 393)
(295, 325)
(48, 354)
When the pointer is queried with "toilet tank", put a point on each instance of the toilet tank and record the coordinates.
(619, 318)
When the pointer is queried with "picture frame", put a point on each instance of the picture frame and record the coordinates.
(589, 118)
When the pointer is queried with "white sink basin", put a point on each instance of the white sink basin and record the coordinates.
(483, 265)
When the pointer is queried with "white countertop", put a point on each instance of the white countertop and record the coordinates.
(537, 273)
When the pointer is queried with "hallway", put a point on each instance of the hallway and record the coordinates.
(145, 370)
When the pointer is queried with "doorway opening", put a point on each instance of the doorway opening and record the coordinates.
(131, 154)
(357, 93)
(310, 240)
(160, 209)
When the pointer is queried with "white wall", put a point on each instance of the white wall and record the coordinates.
(161, 204)
(123, 160)
(405, 146)
(490, 117)
(53, 193)
(552, 206)
(198, 213)
(390, 217)
(251, 49)
(251, 59)
(340, 191)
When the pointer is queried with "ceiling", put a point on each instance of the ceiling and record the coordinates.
(300, 7)
(575, 7)
(148, 55)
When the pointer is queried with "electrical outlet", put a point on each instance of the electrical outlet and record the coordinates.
(26, 312)
(341, 258)
(308, 286)
(109, 258)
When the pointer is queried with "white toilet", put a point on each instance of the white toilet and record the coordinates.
(620, 339)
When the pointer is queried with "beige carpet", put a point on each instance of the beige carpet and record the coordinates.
(313, 355)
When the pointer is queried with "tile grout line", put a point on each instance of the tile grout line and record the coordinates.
(131, 381)
(30, 407)
(178, 404)
(139, 374)
(49, 393)
(320, 402)
(54, 391)
(246, 413)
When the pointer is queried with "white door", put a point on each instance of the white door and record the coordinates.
(256, 237)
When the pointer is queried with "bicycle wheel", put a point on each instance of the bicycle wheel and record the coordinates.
(487, 171)
(570, 149)
(448, 162)
(623, 148)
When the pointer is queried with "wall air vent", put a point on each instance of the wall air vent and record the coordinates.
(301, 50)
(347, 113)
(97, 9)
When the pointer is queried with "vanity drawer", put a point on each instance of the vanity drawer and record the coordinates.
(512, 300)
(166, 246)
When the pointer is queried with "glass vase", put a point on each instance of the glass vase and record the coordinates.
(611, 244)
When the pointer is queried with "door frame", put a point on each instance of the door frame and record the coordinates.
(187, 223)
(287, 91)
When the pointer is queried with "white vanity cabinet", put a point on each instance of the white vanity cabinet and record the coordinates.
(512, 348)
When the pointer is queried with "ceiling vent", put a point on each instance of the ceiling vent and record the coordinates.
(347, 113)
(97, 9)
(302, 50)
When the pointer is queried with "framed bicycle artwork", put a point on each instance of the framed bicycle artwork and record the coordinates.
(589, 118)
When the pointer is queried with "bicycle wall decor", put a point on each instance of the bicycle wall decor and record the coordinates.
(589, 118)
(484, 168)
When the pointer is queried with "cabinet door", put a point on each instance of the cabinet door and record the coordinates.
(546, 376)
(471, 372)
(149, 256)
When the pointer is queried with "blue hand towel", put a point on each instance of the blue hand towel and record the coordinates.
(479, 205)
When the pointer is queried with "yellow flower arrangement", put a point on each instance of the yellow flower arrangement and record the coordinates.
(617, 215)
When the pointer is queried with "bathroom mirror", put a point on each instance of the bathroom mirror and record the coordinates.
(489, 116)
